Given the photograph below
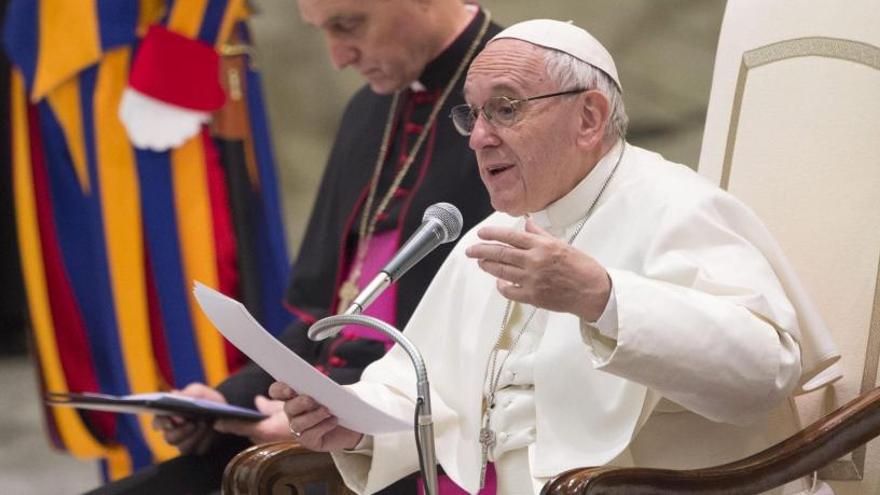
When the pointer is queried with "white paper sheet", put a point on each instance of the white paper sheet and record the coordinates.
(239, 327)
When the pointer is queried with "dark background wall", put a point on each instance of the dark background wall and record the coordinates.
(11, 297)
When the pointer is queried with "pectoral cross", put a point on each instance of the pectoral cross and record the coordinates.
(487, 440)
(347, 293)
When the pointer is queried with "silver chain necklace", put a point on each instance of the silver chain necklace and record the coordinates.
(493, 376)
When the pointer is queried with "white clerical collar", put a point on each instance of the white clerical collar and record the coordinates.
(417, 86)
(572, 207)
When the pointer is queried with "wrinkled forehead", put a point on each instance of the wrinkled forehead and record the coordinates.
(507, 65)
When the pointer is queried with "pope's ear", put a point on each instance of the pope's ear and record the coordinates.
(595, 110)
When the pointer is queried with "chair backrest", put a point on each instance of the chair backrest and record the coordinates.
(793, 129)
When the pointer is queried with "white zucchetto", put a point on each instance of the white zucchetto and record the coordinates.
(564, 37)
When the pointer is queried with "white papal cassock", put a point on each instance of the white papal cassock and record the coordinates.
(713, 332)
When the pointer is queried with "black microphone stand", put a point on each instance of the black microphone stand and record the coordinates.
(424, 427)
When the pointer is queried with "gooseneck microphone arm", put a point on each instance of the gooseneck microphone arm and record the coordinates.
(424, 428)
(441, 223)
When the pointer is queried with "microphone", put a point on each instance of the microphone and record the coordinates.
(441, 223)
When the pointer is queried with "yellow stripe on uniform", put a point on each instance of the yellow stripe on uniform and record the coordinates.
(75, 436)
(186, 17)
(149, 13)
(121, 209)
(196, 233)
(236, 10)
(65, 103)
(69, 40)
(118, 464)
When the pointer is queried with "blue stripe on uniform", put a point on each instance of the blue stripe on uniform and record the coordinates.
(79, 241)
(274, 262)
(20, 37)
(160, 226)
(211, 21)
(117, 23)
(109, 358)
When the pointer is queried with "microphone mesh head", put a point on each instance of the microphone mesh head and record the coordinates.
(449, 218)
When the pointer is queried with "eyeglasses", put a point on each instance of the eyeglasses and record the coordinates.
(499, 110)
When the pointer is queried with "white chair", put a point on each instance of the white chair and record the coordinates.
(793, 129)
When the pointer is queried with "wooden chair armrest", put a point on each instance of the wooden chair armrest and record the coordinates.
(281, 468)
(285, 467)
(829, 438)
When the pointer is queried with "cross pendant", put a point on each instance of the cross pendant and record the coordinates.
(347, 293)
(487, 437)
(487, 440)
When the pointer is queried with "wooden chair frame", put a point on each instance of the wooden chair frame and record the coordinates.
(286, 468)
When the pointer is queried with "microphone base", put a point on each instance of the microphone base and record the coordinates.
(425, 431)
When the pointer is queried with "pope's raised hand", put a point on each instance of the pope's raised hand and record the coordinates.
(535, 268)
(311, 424)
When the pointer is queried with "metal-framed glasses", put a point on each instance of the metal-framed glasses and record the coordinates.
(499, 110)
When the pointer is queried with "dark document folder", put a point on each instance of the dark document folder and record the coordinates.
(155, 403)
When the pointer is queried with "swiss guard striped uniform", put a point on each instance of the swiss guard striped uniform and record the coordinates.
(112, 235)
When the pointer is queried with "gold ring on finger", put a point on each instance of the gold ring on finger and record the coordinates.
(293, 431)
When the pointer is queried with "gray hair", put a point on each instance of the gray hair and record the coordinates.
(569, 72)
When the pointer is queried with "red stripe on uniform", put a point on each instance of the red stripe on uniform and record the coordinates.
(157, 327)
(70, 331)
(224, 236)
